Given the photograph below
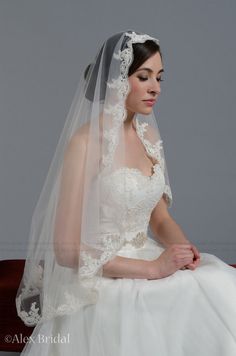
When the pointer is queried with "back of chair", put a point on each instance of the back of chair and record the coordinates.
(13, 332)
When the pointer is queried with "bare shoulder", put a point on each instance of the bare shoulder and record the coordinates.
(83, 145)
(79, 140)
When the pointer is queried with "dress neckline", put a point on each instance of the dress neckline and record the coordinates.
(152, 151)
(155, 166)
(137, 127)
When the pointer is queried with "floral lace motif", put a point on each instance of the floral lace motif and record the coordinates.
(138, 241)
(137, 213)
(71, 304)
(31, 317)
(111, 244)
(118, 111)
(121, 87)
(154, 150)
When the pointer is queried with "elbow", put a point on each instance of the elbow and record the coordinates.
(66, 257)
(158, 226)
(162, 223)
(66, 261)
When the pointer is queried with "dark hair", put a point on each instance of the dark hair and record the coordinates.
(141, 52)
(87, 70)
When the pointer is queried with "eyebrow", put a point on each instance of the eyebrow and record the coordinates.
(149, 70)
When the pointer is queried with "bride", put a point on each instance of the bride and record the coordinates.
(95, 281)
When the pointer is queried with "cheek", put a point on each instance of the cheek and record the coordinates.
(136, 92)
(136, 87)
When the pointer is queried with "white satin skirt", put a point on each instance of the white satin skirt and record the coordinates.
(190, 313)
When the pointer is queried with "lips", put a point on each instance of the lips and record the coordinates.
(150, 100)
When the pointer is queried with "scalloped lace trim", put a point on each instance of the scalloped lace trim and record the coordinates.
(30, 318)
(111, 243)
(121, 85)
(153, 150)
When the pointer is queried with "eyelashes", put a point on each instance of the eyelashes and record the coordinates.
(142, 79)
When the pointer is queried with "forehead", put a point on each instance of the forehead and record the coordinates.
(154, 62)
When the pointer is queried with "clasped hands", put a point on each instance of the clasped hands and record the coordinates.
(175, 257)
(196, 258)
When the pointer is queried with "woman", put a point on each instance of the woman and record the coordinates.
(95, 282)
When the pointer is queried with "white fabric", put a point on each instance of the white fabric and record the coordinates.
(67, 246)
(188, 313)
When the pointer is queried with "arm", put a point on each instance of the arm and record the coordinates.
(168, 232)
(132, 268)
(164, 227)
(68, 217)
(124, 267)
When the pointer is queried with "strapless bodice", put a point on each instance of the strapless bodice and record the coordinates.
(129, 197)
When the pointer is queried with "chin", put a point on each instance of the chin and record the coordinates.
(145, 112)
(142, 111)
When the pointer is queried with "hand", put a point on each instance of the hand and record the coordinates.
(172, 259)
(196, 260)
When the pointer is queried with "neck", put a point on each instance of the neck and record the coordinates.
(129, 119)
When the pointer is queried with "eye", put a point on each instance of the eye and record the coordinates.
(142, 78)
(145, 78)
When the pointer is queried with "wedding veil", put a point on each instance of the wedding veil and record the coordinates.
(68, 242)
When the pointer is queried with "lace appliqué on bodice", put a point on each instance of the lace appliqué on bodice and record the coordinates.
(154, 151)
(123, 226)
(129, 198)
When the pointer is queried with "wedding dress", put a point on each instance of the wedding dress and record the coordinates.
(187, 313)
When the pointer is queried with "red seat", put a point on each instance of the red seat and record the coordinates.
(11, 272)
(11, 326)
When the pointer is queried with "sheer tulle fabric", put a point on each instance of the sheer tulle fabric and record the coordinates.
(70, 239)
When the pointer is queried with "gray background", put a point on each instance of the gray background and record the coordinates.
(44, 47)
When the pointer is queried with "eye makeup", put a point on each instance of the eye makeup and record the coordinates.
(142, 79)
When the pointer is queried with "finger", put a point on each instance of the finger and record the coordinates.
(191, 267)
(196, 261)
(187, 265)
(183, 254)
(186, 261)
(185, 246)
(195, 251)
(194, 264)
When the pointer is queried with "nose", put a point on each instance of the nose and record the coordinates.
(154, 88)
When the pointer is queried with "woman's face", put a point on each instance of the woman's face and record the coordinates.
(144, 85)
